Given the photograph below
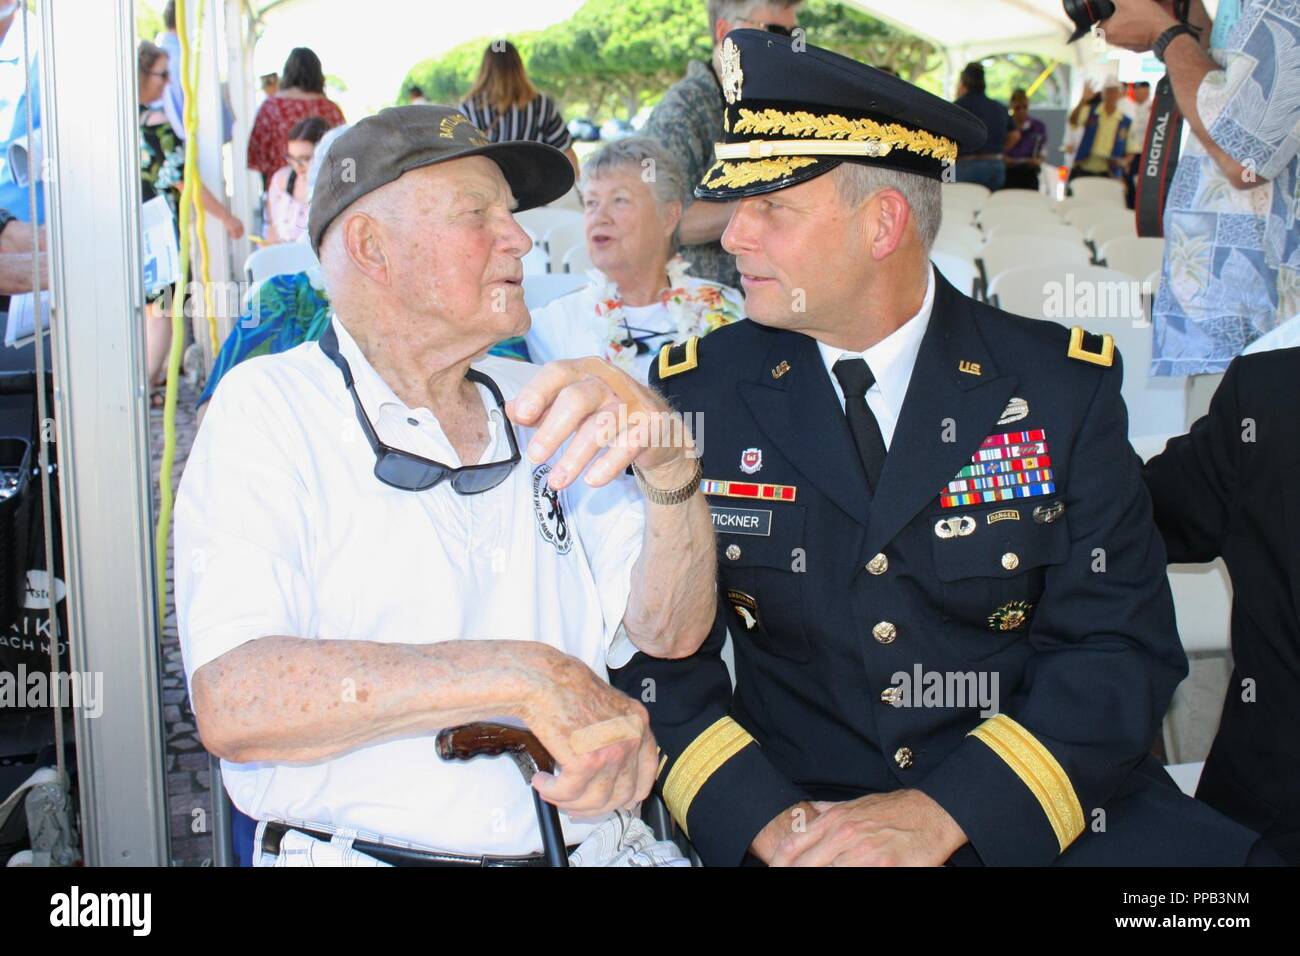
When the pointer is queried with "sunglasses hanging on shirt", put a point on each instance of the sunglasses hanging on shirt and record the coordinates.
(411, 472)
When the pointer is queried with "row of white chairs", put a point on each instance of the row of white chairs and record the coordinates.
(1091, 189)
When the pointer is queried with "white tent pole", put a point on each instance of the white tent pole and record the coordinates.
(91, 136)
(211, 114)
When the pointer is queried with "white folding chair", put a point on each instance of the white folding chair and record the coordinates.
(1157, 405)
(1037, 228)
(1099, 190)
(959, 212)
(962, 240)
(536, 261)
(959, 270)
(571, 200)
(1186, 775)
(560, 239)
(543, 219)
(1020, 252)
(973, 191)
(576, 260)
(991, 217)
(1285, 336)
(1104, 301)
(541, 289)
(1118, 225)
(1019, 197)
(1064, 290)
(1082, 215)
(1139, 257)
(283, 258)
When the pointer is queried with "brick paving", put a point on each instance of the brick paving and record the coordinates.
(189, 779)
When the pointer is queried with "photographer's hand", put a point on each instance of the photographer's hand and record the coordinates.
(1137, 23)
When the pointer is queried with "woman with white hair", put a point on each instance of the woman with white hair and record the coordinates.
(640, 296)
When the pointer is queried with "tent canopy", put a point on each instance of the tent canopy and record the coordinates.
(965, 24)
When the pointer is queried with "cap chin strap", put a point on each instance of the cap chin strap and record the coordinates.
(763, 148)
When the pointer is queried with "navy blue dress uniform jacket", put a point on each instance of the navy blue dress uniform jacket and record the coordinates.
(1228, 489)
(830, 595)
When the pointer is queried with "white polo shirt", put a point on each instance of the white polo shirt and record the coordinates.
(283, 529)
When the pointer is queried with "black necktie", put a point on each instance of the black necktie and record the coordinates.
(855, 378)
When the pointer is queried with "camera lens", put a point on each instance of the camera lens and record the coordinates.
(1084, 13)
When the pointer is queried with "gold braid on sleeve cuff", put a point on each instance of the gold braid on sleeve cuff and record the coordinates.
(701, 759)
(1039, 771)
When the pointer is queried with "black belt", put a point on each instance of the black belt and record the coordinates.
(398, 855)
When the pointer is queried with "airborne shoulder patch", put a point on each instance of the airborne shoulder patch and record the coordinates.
(675, 359)
(1090, 347)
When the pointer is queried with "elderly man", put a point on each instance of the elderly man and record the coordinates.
(953, 633)
(366, 560)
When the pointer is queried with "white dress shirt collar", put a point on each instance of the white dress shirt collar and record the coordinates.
(891, 361)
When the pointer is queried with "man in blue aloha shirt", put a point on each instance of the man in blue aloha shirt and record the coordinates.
(1232, 258)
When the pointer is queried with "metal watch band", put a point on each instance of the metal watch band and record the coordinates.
(1163, 41)
(677, 495)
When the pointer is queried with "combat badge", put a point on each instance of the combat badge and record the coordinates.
(745, 606)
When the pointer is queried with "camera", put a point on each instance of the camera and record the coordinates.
(1084, 13)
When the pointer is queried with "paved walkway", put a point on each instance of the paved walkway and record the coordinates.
(189, 780)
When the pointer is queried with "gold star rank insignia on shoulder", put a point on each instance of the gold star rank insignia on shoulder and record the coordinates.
(1090, 347)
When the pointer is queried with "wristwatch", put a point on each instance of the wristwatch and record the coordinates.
(1163, 41)
(6, 217)
(677, 495)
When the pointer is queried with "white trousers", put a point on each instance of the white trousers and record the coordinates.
(621, 840)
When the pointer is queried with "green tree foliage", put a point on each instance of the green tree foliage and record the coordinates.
(615, 56)
(148, 22)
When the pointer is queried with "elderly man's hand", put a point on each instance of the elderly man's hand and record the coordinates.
(900, 828)
(600, 407)
(599, 737)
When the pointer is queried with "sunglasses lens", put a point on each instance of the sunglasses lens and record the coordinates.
(411, 474)
(481, 479)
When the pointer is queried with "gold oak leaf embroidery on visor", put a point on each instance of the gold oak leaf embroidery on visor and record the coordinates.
(833, 126)
(1039, 771)
(736, 175)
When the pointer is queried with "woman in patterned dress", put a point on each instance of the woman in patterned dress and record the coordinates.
(301, 94)
(162, 166)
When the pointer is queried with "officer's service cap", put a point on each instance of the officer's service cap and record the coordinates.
(794, 111)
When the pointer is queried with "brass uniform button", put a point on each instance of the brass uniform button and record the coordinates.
(1010, 560)
(885, 632)
(733, 552)
(892, 695)
(903, 757)
(878, 565)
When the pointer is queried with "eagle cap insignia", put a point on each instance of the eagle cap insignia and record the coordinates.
(732, 75)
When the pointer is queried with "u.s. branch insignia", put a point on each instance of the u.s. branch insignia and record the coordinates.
(732, 76)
